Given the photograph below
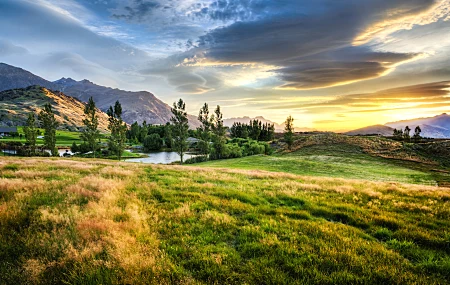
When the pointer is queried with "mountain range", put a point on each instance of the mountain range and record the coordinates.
(16, 104)
(137, 106)
(432, 127)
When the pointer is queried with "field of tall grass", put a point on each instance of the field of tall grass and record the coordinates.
(75, 221)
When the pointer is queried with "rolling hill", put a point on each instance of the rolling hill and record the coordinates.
(15, 104)
(137, 106)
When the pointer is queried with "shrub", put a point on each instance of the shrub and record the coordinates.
(152, 142)
(74, 148)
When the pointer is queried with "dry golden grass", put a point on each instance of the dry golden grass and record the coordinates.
(138, 224)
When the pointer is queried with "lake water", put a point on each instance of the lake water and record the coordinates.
(163, 157)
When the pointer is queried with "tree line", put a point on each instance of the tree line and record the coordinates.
(211, 134)
(255, 129)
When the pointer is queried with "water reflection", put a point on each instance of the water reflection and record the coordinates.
(163, 157)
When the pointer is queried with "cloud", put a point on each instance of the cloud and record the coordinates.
(137, 10)
(7, 48)
(305, 50)
(429, 95)
(22, 22)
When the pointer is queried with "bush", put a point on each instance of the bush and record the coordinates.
(82, 148)
(232, 151)
(153, 142)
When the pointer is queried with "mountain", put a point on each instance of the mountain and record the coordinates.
(432, 127)
(372, 130)
(245, 120)
(137, 106)
(13, 77)
(16, 104)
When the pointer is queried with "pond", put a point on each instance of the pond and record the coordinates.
(163, 157)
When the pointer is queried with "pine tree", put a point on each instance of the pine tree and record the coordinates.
(30, 131)
(417, 132)
(90, 133)
(204, 131)
(219, 132)
(179, 128)
(49, 123)
(118, 130)
(406, 135)
(289, 131)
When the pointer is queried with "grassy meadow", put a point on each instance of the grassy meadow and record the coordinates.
(340, 160)
(80, 221)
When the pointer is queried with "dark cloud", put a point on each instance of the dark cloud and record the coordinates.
(138, 10)
(312, 46)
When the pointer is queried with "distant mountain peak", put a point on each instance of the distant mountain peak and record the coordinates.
(432, 127)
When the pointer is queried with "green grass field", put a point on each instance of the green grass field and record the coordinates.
(340, 160)
(63, 138)
(85, 221)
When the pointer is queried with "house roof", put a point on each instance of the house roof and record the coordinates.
(8, 129)
(192, 140)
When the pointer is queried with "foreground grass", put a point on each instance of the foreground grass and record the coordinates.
(100, 222)
(344, 161)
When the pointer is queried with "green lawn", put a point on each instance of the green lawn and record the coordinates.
(63, 138)
(85, 221)
(343, 161)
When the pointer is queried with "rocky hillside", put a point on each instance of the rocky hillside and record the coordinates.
(137, 106)
(16, 104)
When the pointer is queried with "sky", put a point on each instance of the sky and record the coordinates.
(332, 65)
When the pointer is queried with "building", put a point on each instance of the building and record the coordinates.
(6, 131)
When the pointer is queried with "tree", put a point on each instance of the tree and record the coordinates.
(30, 131)
(90, 133)
(398, 134)
(289, 131)
(179, 128)
(204, 131)
(49, 124)
(168, 139)
(219, 131)
(152, 142)
(118, 130)
(417, 132)
(406, 135)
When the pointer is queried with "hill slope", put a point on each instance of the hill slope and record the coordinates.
(15, 105)
(98, 222)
